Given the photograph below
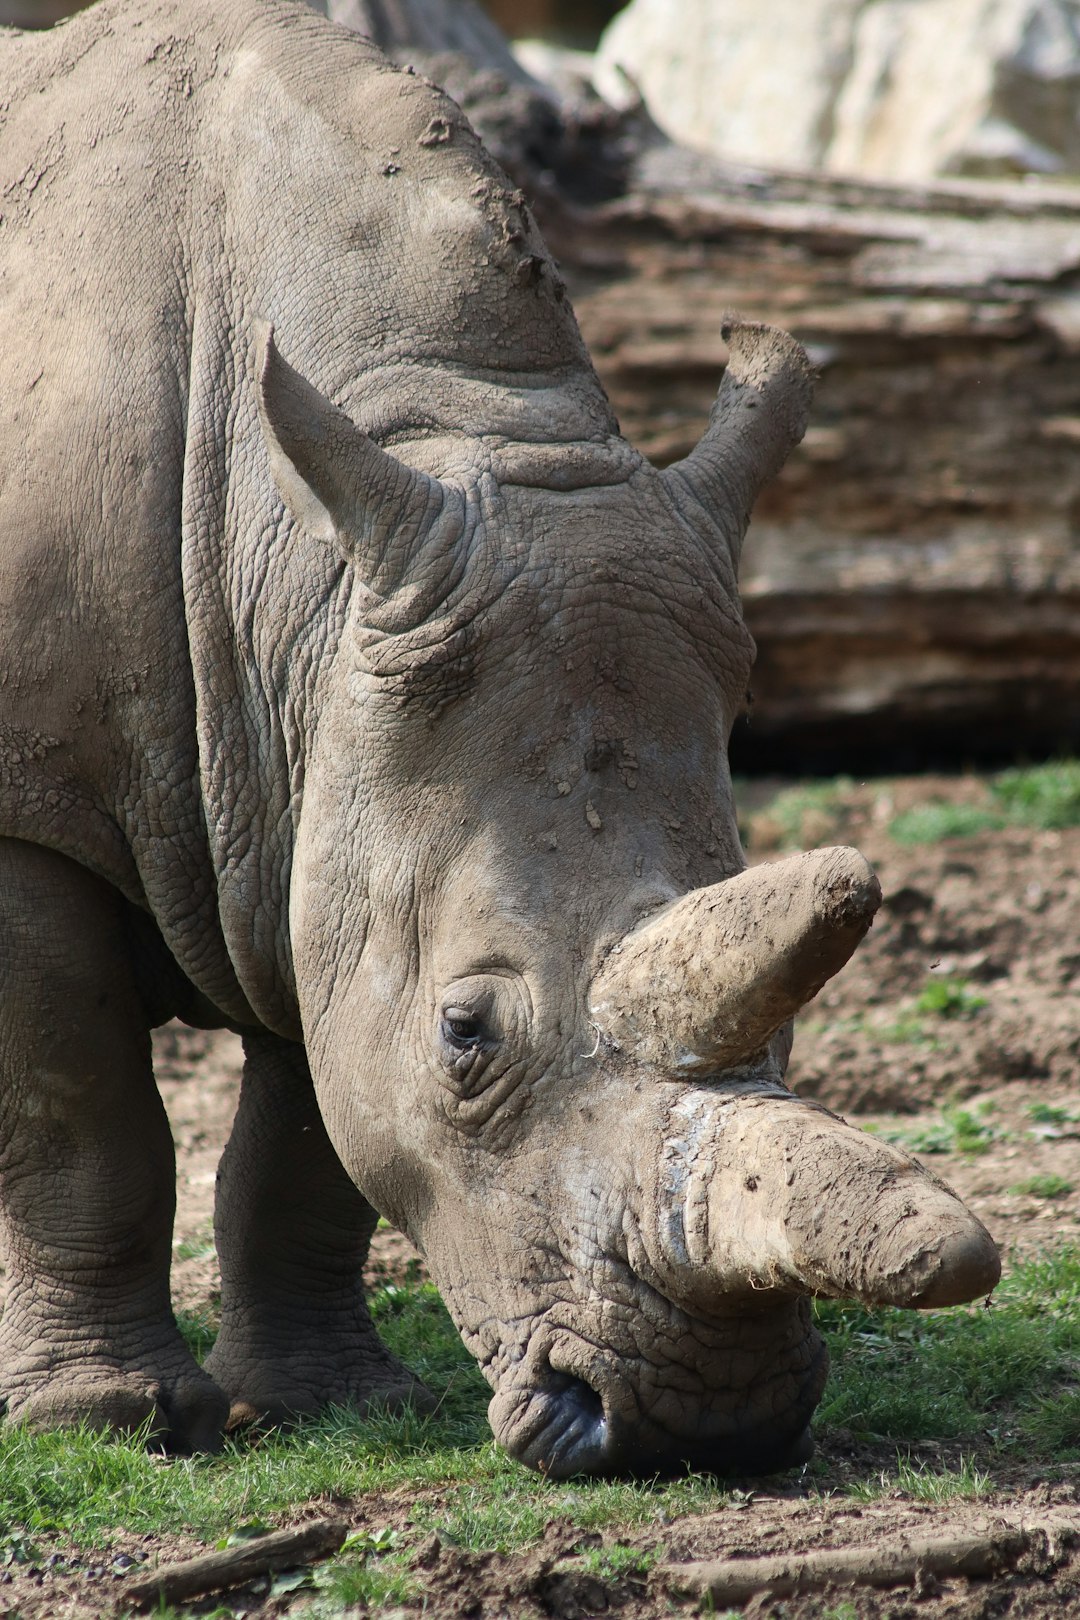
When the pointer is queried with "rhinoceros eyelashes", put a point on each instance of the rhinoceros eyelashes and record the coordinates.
(468, 1051)
(463, 1030)
(469, 1035)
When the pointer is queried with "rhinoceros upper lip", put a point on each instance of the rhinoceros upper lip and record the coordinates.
(563, 1429)
(555, 1421)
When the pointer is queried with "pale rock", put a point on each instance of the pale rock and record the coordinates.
(890, 89)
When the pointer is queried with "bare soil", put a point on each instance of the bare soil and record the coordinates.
(997, 911)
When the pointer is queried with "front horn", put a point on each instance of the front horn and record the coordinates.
(705, 982)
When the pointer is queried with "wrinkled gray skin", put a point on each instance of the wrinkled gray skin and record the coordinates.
(382, 759)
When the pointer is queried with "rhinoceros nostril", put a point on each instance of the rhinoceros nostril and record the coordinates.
(568, 1433)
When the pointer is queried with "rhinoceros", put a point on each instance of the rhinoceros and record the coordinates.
(363, 691)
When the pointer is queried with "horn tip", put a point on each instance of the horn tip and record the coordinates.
(968, 1267)
(756, 347)
(849, 885)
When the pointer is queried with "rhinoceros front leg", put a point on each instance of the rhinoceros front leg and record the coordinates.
(87, 1186)
(292, 1235)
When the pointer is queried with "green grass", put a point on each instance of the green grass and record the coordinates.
(955, 1130)
(616, 1561)
(993, 1385)
(1004, 1380)
(922, 1483)
(942, 1000)
(200, 1247)
(805, 815)
(1046, 1185)
(931, 823)
(1052, 1114)
(356, 1581)
(1041, 797)
(200, 1329)
(947, 997)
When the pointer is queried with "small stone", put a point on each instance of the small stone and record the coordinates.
(592, 816)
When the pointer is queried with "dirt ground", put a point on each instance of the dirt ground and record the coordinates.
(996, 912)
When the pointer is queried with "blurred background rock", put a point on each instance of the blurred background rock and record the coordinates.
(887, 89)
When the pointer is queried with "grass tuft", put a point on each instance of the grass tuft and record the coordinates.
(921, 1483)
(352, 1584)
(200, 1247)
(616, 1561)
(956, 1130)
(1053, 1114)
(801, 817)
(1041, 797)
(947, 997)
(1045, 797)
(931, 823)
(1046, 1185)
(199, 1330)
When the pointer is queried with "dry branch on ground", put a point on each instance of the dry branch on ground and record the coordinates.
(905, 1562)
(234, 1566)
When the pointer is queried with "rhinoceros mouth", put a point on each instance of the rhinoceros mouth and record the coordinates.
(561, 1425)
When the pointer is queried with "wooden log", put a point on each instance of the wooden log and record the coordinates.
(735, 1580)
(234, 1566)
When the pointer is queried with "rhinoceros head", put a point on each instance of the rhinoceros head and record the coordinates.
(546, 1006)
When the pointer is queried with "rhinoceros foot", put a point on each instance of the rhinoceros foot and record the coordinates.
(167, 1399)
(271, 1389)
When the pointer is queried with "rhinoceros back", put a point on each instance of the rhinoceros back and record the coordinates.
(172, 173)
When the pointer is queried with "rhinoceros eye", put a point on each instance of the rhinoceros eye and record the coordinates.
(463, 1030)
(480, 1031)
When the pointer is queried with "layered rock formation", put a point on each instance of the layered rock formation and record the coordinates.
(913, 577)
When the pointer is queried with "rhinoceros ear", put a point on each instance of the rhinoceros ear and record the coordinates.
(338, 484)
(759, 417)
